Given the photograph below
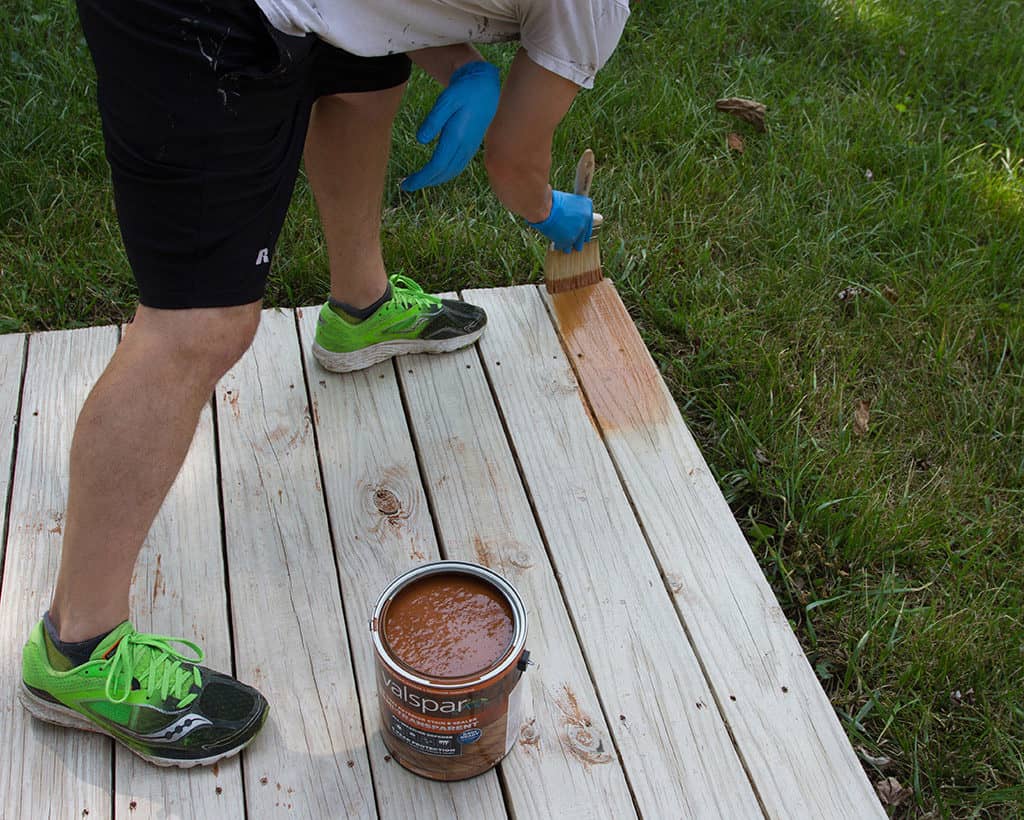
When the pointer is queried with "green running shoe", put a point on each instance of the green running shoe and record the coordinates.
(139, 691)
(411, 321)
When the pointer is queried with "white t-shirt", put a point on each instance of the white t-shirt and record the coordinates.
(572, 38)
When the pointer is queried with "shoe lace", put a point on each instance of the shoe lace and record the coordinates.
(407, 293)
(157, 666)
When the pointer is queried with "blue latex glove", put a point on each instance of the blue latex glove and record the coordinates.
(461, 116)
(570, 223)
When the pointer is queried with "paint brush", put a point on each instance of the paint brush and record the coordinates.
(576, 269)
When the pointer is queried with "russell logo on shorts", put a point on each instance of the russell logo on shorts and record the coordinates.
(263, 257)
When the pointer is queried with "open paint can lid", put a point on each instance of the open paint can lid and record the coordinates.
(450, 624)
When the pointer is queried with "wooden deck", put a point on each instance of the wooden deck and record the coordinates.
(667, 681)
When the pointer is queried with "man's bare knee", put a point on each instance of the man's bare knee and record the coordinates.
(208, 341)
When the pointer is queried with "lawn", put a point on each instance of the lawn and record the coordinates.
(838, 308)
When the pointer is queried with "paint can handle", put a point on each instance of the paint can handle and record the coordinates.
(524, 661)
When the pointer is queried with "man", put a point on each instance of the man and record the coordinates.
(206, 109)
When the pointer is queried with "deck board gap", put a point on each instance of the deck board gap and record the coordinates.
(297, 319)
(557, 574)
(219, 476)
(654, 553)
(506, 796)
(228, 609)
(14, 452)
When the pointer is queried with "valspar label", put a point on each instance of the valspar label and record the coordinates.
(448, 691)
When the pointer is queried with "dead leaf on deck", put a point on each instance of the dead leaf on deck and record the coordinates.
(861, 417)
(892, 793)
(750, 111)
(735, 142)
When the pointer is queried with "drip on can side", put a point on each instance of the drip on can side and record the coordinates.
(448, 668)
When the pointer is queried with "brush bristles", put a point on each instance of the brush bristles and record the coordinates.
(568, 271)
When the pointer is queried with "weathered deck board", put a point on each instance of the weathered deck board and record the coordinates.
(678, 754)
(289, 628)
(178, 589)
(47, 771)
(612, 478)
(12, 360)
(382, 527)
(784, 725)
(564, 764)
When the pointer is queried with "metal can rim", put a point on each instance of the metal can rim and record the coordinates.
(511, 594)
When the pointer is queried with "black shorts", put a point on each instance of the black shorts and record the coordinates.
(205, 108)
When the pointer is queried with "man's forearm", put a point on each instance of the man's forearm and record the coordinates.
(440, 62)
(518, 144)
(520, 179)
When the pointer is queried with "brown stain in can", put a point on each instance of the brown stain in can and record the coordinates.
(448, 626)
(611, 360)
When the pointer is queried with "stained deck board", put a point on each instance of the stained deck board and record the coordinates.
(523, 468)
(564, 763)
(382, 527)
(763, 683)
(675, 745)
(47, 771)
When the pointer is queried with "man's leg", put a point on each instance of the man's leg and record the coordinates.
(346, 157)
(132, 435)
(84, 665)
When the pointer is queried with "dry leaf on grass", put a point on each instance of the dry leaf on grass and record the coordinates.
(750, 111)
(960, 698)
(847, 295)
(890, 294)
(878, 761)
(892, 793)
(735, 141)
(861, 417)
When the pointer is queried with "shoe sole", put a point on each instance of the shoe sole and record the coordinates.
(369, 356)
(61, 715)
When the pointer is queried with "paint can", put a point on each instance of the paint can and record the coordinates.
(450, 645)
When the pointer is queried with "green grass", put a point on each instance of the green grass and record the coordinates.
(892, 166)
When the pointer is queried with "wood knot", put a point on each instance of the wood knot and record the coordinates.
(521, 559)
(586, 744)
(528, 734)
(387, 502)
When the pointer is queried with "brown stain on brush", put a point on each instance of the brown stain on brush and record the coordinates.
(612, 363)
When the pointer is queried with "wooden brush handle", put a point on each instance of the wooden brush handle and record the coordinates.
(584, 173)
